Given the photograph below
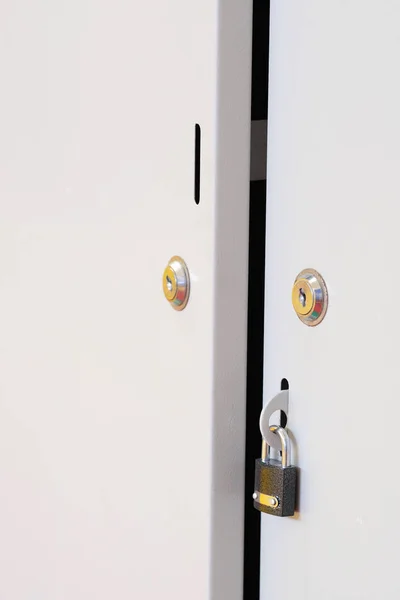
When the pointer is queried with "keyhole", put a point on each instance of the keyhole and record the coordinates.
(169, 284)
(302, 297)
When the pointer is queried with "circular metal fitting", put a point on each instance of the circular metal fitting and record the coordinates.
(176, 283)
(310, 297)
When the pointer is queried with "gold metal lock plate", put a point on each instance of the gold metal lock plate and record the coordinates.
(176, 283)
(310, 297)
(266, 500)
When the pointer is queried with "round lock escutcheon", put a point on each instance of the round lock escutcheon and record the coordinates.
(176, 283)
(310, 297)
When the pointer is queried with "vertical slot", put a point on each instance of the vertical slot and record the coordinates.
(197, 158)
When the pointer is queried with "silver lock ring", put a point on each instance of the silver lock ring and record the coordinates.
(285, 446)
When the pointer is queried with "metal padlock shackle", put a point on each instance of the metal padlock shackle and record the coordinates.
(285, 444)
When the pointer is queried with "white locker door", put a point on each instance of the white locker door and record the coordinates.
(122, 420)
(333, 205)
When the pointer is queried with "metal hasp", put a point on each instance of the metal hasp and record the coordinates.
(310, 297)
(278, 402)
(176, 283)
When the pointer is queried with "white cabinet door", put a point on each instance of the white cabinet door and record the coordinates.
(122, 420)
(333, 204)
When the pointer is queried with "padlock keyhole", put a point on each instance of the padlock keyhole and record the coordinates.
(169, 284)
(302, 297)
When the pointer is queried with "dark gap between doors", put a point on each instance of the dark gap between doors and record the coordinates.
(255, 323)
(197, 159)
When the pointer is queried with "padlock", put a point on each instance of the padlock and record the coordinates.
(275, 480)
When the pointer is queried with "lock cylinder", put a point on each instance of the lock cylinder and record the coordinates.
(310, 297)
(176, 283)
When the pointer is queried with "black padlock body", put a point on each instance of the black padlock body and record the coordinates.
(273, 480)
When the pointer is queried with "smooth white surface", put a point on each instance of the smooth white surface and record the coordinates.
(121, 420)
(333, 204)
